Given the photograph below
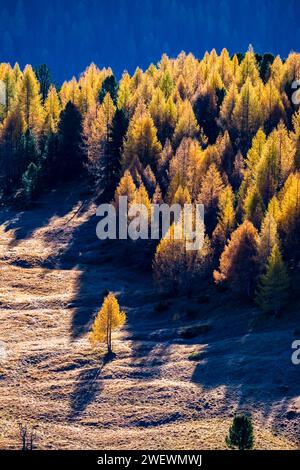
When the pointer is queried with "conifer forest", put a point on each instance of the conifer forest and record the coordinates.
(138, 342)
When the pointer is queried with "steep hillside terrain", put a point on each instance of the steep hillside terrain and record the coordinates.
(53, 275)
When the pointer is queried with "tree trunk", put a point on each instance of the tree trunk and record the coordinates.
(109, 349)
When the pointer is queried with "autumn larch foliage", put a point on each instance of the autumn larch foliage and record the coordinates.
(268, 237)
(175, 267)
(239, 262)
(226, 220)
(126, 187)
(289, 219)
(108, 319)
(221, 130)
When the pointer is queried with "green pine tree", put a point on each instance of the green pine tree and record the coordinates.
(26, 152)
(71, 158)
(43, 75)
(118, 130)
(30, 182)
(50, 159)
(241, 433)
(109, 85)
(273, 289)
(28, 149)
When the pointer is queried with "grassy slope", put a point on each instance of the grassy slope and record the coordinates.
(53, 272)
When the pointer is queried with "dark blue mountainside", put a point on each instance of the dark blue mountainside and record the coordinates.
(69, 34)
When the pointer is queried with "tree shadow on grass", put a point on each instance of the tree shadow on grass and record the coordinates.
(87, 386)
(57, 203)
(103, 266)
(148, 358)
(255, 373)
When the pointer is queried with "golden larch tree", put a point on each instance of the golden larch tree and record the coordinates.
(211, 188)
(182, 196)
(69, 92)
(248, 68)
(176, 268)
(52, 111)
(124, 93)
(108, 319)
(228, 105)
(85, 97)
(239, 263)
(226, 220)
(141, 142)
(289, 222)
(141, 197)
(248, 114)
(29, 100)
(254, 154)
(253, 206)
(296, 137)
(268, 237)
(126, 187)
(187, 125)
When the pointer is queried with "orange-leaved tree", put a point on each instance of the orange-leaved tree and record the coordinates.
(108, 319)
(239, 263)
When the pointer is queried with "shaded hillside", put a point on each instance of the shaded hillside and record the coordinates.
(54, 272)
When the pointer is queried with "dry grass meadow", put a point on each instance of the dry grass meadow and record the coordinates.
(53, 273)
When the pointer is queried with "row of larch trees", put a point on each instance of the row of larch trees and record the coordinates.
(222, 131)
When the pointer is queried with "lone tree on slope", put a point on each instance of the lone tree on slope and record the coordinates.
(241, 433)
(109, 318)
